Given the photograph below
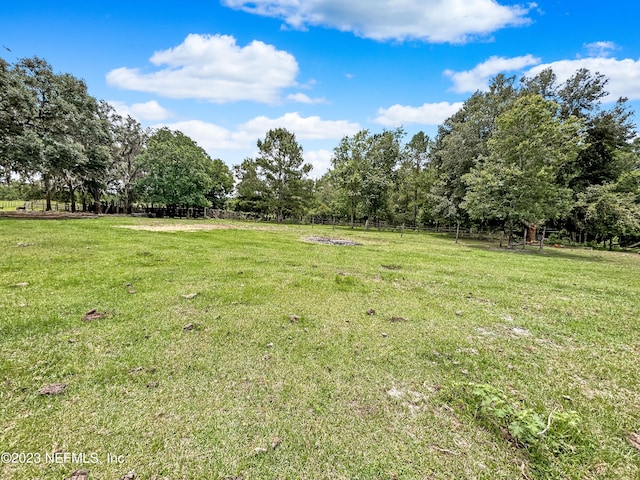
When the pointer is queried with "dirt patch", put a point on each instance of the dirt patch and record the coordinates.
(634, 440)
(37, 215)
(93, 314)
(332, 241)
(196, 227)
(53, 389)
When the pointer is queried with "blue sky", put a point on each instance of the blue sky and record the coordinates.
(226, 71)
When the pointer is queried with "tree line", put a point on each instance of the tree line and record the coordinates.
(524, 155)
(57, 141)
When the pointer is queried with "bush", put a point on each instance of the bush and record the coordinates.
(562, 236)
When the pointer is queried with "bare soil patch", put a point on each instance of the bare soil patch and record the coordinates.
(36, 215)
(53, 389)
(196, 227)
(93, 314)
(332, 241)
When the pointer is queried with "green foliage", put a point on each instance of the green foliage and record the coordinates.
(252, 194)
(55, 131)
(364, 171)
(176, 170)
(540, 433)
(527, 152)
(517, 182)
(414, 180)
(461, 143)
(561, 237)
(607, 134)
(281, 169)
(129, 140)
(222, 187)
(609, 213)
(349, 171)
(21, 191)
(326, 202)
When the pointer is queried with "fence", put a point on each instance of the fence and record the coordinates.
(203, 212)
(36, 205)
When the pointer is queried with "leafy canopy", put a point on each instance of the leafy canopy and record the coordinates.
(517, 181)
(177, 170)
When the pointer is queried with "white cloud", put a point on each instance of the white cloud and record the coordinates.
(436, 21)
(320, 160)
(214, 138)
(305, 128)
(209, 136)
(302, 98)
(478, 77)
(213, 68)
(427, 114)
(151, 110)
(600, 49)
(623, 75)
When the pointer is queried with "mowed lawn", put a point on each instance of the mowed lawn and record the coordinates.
(250, 352)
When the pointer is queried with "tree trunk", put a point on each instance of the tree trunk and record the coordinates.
(48, 196)
(524, 238)
(127, 200)
(72, 197)
(415, 207)
(457, 231)
(97, 206)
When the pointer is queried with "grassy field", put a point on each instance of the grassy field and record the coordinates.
(249, 352)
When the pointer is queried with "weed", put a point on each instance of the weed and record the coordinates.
(527, 427)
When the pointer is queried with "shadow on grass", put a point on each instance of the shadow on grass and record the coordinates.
(569, 253)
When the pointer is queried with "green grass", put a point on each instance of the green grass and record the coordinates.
(346, 394)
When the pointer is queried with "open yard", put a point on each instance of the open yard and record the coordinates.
(249, 351)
